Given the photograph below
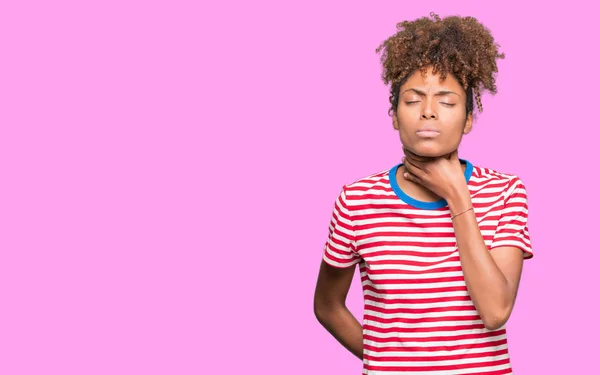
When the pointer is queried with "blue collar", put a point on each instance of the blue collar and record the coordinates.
(421, 204)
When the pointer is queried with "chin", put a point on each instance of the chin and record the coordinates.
(429, 151)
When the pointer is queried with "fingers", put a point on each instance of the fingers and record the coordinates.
(414, 163)
(411, 177)
(412, 173)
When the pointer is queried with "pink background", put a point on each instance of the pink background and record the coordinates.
(168, 172)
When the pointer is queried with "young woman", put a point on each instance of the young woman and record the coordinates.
(439, 242)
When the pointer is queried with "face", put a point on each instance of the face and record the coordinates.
(431, 116)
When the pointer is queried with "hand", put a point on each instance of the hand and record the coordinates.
(442, 175)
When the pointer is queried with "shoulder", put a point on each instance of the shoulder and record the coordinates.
(500, 181)
(378, 181)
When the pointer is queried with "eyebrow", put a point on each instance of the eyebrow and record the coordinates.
(423, 93)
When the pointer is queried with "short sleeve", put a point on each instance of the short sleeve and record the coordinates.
(512, 227)
(340, 247)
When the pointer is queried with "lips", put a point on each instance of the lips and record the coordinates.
(427, 129)
(428, 132)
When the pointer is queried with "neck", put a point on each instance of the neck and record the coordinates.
(415, 190)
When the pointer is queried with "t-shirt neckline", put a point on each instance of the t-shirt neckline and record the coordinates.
(418, 203)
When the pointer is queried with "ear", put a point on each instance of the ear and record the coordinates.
(395, 120)
(468, 123)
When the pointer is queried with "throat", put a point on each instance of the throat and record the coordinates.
(415, 190)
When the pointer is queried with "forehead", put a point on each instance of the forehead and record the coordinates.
(433, 82)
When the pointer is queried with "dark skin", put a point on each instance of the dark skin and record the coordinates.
(432, 171)
(429, 103)
(330, 308)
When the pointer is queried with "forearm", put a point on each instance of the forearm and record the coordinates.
(485, 282)
(342, 325)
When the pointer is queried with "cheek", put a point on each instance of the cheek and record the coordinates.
(404, 139)
(406, 135)
(407, 121)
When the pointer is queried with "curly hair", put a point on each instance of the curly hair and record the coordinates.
(460, 46)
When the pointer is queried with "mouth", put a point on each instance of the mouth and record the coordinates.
(428, 133)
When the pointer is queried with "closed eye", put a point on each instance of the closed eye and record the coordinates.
(446, 104)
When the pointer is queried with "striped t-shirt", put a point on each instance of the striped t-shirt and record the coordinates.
(418, 315)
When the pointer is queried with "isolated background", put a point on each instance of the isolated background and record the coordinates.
(168, 171)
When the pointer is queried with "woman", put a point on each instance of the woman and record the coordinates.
(440, 242)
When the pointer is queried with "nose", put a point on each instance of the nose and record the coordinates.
(428, 112)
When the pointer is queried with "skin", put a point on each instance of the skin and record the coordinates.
(432, 171)
(446, 113)
(330, 307)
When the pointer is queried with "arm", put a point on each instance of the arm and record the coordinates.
(492, 276)
(330, 309)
